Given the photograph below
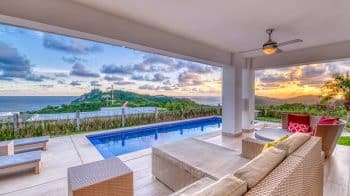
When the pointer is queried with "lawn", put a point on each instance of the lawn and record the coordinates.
(344, 140)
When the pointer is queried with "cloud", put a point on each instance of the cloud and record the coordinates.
(338, 67)
(157, 77)
(154, 63)
(168, 88)
(5, 78)
(36, 78)
(189, 79)
(121, 83)
(111, 78)
(46, 85)
(95, 83)
(61, 82)
(138, 77)
(79, 69)
(73, 59)
(75, 83)
(69, 45)
(271, 78)
(14, 65)
(311, 71)
(61, 75)
(116, 69)
(152, 87)
(197, 68)
(167, 82)
(148, 87)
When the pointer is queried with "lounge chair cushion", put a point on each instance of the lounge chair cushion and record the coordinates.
(228, 185)
(19, 159)
(32, 140)
(256, 169)
(293, 142)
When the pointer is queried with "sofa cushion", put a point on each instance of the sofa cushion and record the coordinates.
(194, 187)
(297, 127)
(228, 185)
(299, 118)
(275, 142)
(256, 169)
(293, 142)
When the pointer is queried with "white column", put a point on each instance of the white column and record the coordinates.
(248, 95)
(232, 97)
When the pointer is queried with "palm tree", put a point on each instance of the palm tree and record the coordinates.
(338, 87)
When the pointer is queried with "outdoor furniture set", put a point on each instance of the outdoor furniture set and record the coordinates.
(329, 129)
(21, 154)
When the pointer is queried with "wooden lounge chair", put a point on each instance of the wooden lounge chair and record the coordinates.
(21, 161)
(30, 144)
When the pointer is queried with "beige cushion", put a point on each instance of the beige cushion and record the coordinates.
(194, 187)
(293, 142)
(256, 169)
(228, 185)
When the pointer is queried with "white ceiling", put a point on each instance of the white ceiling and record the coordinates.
(238, 25)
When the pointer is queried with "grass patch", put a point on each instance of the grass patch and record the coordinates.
(269, 119)
(344, 140)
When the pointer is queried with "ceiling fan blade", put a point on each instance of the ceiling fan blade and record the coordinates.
(279, 50)
(251, 50)
(290, 42)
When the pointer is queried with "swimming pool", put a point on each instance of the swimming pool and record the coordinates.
(121, 142)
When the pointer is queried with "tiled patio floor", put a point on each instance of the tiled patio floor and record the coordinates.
(74, 150)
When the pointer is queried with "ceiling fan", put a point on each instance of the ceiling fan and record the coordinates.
(271, 47)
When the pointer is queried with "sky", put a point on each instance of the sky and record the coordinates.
(34, 63)
(298, 80)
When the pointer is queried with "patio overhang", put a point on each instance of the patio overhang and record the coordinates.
(73, 19)
(209, 38)
(319, 54)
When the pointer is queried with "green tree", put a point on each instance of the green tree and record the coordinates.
(338, 88)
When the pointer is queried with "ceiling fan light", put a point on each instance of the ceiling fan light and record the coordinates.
(269, 50)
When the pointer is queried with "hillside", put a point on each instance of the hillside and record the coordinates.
(96, 99)
(307, 99)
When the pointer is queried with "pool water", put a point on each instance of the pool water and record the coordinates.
(117, 143)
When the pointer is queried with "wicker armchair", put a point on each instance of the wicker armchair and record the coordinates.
(329, 133)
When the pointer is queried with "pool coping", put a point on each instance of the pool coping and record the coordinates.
(89, 153)
(148, 126)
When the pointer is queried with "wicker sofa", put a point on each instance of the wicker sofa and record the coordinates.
(299, 173)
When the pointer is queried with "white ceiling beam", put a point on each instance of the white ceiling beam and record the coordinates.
(72, 19)
(320, 54)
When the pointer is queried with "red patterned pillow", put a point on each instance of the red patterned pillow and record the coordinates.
(297, 127)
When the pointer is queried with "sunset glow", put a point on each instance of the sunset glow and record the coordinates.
(297, 81)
